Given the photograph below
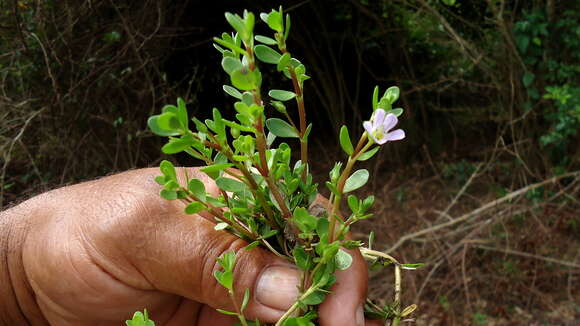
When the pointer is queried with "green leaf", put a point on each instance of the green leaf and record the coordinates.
(301, 258)
(307, 132)
(265, 40)
(228, 184)
(375, 97)
(221, 226)
(140, 319)
(171, 185)
(227, 261)
(353, 203)
(250, 21)
(281, 95)
(345, 141)
(397, 112)
(343, 260)
(284, 61)
(528, 79)
(245, 300)
(168, 121)
(153, 124)
(237, 23)
(279, 106)
(200, 126)
(303, 220)
(225, 312)
(231, 64)
(275, 21)
(244, 79)
(182, 113)
(392, 94)
(112, 37)
(235, 48)
(161, 180)
(176, 145)
(168, 194)
(232, 92)
(267, 54)
(168, 170)
(213, 171)
(322, 226)
(315, 298)
(287, 29)
(195, 207)
(412, 266)
(367, 203)
(197, 188)
(252, 245)
(270, 138)
(523, 42)
(281, 128)
(356, 180)
(332, 188)
(368, 154)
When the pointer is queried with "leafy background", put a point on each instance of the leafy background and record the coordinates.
(484, 189)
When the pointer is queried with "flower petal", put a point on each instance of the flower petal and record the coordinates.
(381, 141)
(368, 127)
(378, 118)
(390, 121)
(395, 135)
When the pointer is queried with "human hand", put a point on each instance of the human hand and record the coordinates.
(95, 252)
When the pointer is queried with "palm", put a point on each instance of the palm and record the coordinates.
(88, 275)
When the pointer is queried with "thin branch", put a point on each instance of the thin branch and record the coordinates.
(481, 209)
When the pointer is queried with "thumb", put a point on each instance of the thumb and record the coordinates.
(183, 262)
(180, 258)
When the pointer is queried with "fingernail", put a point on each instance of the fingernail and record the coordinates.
(277, 287)
(360, 316)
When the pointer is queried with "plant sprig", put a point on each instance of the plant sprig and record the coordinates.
(265, 198)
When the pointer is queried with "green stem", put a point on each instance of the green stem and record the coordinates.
(238, 226)
(238, 310)
(265, 171)
(299, 91)
(296, 305)
(361, 148)
(249, 180)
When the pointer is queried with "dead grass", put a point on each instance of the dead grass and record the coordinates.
(490, 261)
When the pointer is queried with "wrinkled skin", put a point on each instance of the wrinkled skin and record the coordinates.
(95, 252)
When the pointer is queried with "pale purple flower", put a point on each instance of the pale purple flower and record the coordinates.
(379, 126)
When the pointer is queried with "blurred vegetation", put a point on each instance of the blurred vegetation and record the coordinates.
(490, 88)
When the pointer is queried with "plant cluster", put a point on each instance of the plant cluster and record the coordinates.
(265, 198)
(551, 56)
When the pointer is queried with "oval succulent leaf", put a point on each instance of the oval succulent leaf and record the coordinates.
(267, 54)
(281, 95)
(197, 188)
(265, 40)
(194, 208)
(153, 124)
(231, 64)
(232, 91)
(243, 79)
(345, 142)
(275, 21)
(281, 128)
(368, 154)
(392, 94)
(343, 260)
(356, 180)
(229, 184)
